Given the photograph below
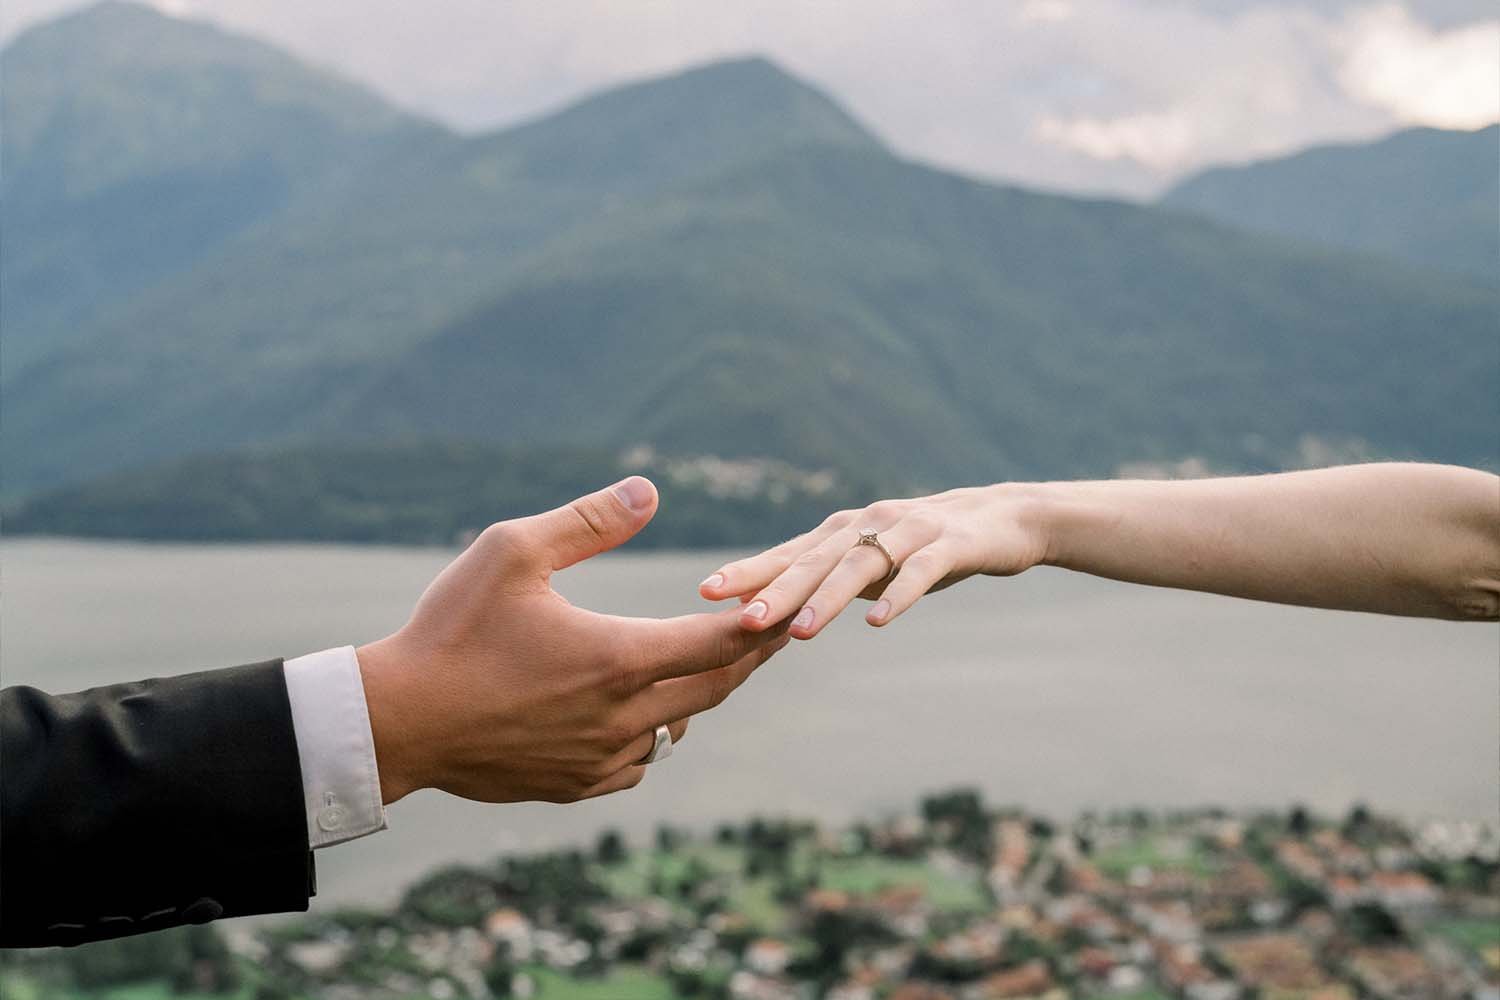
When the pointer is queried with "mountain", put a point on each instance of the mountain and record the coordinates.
(724, 262)
(429, 492)
(1425, 196)
(135, 144)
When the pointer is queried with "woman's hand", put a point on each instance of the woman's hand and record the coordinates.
(935, 542)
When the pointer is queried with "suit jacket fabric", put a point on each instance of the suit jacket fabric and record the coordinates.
(146, 805)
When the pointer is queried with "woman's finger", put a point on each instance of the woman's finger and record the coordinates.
(922, 570)
(862, 568)
(783, 596)
(746, 576)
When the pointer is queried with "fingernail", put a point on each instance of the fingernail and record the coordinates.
(712, 583)
(804, 619)
(634, 493)
(756, 610)
(880, 610)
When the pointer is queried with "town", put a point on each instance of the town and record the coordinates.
(956, 901)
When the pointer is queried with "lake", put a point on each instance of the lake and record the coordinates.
(1056, 691)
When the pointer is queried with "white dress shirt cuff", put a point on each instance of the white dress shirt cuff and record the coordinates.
(340, 780)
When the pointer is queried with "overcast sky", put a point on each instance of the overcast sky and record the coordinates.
(1105, 95)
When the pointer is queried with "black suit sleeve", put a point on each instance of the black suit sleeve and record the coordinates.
(146, 805)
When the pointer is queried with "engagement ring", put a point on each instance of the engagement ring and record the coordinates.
(872, 538)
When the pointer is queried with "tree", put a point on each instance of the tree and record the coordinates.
(1298, 821)
(611, 848)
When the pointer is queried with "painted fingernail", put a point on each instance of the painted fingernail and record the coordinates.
(804, 619)
(712, 583)
(635, 492)
(880, 611)
(756, 610)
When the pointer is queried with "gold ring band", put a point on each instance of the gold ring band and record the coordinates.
(872, 538)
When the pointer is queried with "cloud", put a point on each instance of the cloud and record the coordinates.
(1162, 141)
(1449, 79)
(1047, 10)
(1117, 96)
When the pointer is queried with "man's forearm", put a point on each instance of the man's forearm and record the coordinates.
(1396, 538)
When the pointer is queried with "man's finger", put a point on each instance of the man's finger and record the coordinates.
(684, 696)
(662, 648)
(642, 744)
(627, 777)
(595, 523)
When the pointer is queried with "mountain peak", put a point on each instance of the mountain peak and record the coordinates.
(144, 77)
(750, 97)
(692, 123)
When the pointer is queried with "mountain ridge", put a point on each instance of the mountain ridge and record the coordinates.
(725, 262)
(1428, 197)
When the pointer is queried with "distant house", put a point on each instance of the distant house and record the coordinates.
(1030, 980)
(512, 929)
(768, 956)
(1403, 891)
(1400, 974)
(1272, 961)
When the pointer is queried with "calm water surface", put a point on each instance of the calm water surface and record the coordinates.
(1055, 691)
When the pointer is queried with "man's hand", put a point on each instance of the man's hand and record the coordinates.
(499, 690)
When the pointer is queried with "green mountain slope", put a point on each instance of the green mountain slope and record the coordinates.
(429, 492)
(1425, 196)
(839, 305)
(135, 144)
(723, 262)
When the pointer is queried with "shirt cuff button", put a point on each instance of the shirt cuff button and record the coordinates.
(332, 818)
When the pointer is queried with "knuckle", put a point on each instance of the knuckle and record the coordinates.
(723, 687)
(882, 510)
(618, 734)
(593, 514)
(923, 560)
(564, 791)
(810, 558)
(729, 646)
(627, 667)
(839, 519)
(627, 675)
(499, 537)
(925, 520)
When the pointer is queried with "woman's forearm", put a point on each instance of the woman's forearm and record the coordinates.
(1403, 539)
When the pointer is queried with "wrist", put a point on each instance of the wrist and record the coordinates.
(1069, 518)
(397, 751)
(1045, 513)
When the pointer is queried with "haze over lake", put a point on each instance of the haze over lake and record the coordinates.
(1055, 691)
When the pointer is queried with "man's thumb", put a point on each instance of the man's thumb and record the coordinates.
(598, 522)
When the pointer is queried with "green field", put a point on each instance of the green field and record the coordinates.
(1117, 861)
(873, 873)
(17, 987)
(625, 982)
(1472, 935)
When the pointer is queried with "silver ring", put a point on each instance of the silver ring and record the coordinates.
(871, 538)
(661, 749)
